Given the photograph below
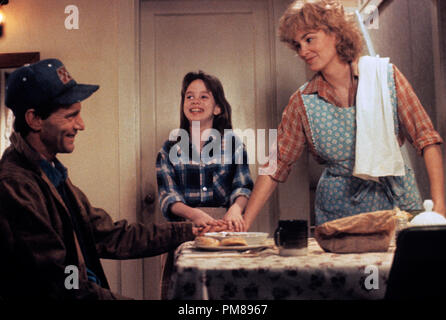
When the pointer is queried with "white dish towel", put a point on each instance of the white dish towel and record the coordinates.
(378, 153)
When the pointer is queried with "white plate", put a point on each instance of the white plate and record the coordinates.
(252, 238)
(231, 248)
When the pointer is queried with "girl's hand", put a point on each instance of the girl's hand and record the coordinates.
(201, 219)
(234, 218)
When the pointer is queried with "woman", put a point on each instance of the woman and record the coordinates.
(206, 180)
(321, 116)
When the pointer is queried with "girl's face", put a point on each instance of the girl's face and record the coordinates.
(199, 104)
(316, 48)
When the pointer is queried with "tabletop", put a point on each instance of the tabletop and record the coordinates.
(265, 275)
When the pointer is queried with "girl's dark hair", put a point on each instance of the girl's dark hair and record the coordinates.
(223, 120)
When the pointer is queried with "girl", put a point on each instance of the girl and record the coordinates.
(185, 187)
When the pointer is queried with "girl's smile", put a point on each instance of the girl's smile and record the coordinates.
(199, 104)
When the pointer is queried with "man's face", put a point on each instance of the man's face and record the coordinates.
(59, 130)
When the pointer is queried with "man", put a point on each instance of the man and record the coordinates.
(49, 232)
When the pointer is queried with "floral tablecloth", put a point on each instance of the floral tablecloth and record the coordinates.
(266, 275)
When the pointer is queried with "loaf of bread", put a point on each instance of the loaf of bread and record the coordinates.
(402, 214)
(207, 242)
(233, 241)
(364, 232)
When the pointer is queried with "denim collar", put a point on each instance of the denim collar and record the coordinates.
(57, 173)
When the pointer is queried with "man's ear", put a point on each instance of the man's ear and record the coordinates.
(33, 120)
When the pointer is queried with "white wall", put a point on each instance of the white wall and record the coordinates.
(91, 54)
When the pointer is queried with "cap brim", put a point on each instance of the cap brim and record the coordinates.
(76, 94)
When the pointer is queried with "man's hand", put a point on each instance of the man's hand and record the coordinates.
(219, 226)
(200, 231)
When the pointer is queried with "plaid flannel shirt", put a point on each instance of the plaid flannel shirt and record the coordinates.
(294, 132)
(210, 182)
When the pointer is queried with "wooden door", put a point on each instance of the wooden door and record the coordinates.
(228, 39)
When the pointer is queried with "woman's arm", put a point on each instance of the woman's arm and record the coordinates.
(291, 141)
(418, 128)
(434, 164)
(234, 216)
(263, 188)
(241, 187)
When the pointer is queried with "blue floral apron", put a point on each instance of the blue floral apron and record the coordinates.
(339, 194)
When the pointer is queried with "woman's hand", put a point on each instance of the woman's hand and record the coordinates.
(234, 218)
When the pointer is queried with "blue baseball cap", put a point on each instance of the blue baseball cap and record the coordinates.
(44, 83)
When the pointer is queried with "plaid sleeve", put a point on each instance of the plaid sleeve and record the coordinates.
(168, 190)
(290, 138)
(417, 126)
(242, 183)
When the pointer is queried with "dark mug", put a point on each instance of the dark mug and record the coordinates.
(291, 236)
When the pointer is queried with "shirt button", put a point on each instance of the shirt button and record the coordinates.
(205, 189)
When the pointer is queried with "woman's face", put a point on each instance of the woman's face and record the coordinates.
(316, 48)
(199, 104)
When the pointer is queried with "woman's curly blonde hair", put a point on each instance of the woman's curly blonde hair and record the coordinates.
(326, 15)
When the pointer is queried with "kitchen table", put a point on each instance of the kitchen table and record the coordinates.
(264, 275)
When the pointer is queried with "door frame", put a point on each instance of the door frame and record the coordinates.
(130, 272)
(439, 52)
(160, 8)
(8, 62)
